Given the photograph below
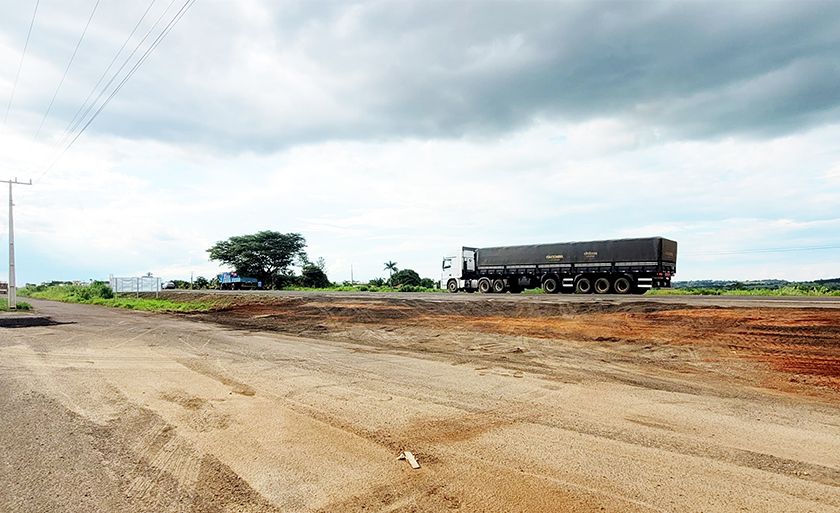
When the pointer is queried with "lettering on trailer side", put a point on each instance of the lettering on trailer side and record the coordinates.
(590, 254)
(554, 257)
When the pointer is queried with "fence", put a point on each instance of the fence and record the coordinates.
(135, 284)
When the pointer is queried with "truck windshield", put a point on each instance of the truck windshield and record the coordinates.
(447, 263)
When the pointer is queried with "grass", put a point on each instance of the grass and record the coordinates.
(21, 306)
(791, 290)
(99, 293)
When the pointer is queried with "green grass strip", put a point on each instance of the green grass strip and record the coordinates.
(99, 295)
(21, 306)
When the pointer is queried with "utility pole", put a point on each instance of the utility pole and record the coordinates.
(12, 290)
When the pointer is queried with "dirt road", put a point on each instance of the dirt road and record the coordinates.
(304, 403)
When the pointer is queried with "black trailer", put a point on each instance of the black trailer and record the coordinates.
(619, 266)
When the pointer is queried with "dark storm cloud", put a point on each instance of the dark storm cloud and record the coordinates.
(448, 69)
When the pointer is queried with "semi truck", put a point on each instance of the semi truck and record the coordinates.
(232, 281)
(624, 266)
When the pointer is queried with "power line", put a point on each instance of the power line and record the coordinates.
(31, 24)
(166, 30)
(71, 126)
(66, 70)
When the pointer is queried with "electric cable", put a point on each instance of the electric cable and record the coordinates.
(68, 130)
(31, 24)
(66, 70)
(175, 19)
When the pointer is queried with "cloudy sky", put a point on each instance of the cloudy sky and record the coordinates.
(402, 130)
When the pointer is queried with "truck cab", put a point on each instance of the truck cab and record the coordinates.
(457, 270)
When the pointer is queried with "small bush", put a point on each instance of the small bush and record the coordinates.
(19, 305)
(405, 277)
(313, 276)
(428, 283)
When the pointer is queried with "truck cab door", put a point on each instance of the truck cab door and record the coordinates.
(448, 271)
(469, 263)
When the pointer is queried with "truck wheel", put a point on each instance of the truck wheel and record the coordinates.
(550, 286)
(485, 286)
(621, 285)
(499, 286)
(583, 286)
(452, 286)
(602, 285)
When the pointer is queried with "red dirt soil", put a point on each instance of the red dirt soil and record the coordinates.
(788, 350)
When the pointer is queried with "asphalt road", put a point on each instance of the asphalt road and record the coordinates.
(111, 410)
(720, 301)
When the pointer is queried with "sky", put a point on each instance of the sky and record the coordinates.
(403, 130)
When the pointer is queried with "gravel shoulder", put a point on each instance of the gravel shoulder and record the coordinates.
(303, 404)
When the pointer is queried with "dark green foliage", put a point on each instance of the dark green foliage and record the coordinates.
(285, 280)
(313, 276)
(200, 283)
(102, 289)
(265, 255)
(722, 285)
(20, 306)
(391, 266)
(96, 290)
(181, 284)
(377, 282)
(427, 283)
(405, 277)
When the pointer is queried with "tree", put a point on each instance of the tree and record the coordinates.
(200, 283)
(265, 255)
(391, 266)
(313, 276)
(405, 277)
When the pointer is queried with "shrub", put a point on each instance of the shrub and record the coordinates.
(428, 283)
(314, 277)
(405, 277)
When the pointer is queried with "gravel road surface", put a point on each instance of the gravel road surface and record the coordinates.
(112, 410)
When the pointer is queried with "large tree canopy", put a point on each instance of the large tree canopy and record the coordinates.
(265, 255)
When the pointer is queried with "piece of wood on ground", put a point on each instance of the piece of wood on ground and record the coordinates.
(411, 460)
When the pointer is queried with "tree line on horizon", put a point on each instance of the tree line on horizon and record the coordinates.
(271, 257)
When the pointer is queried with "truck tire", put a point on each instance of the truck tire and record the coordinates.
(485, 286)
(583, 285)
(551, 286)
(499, 286)
(602, 285)
(452, 286)
(622, 285)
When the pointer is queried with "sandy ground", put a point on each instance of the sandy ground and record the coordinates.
(304, 403)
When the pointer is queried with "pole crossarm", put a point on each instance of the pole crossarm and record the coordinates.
(12, 290)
